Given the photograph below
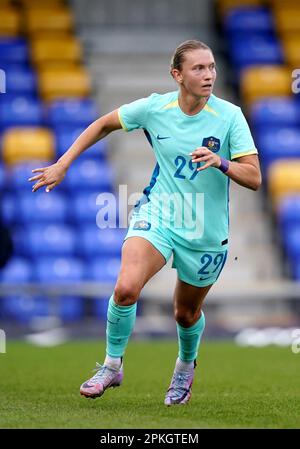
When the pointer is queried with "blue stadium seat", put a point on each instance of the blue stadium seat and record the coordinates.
(24, 308)
(106, 270)
(86, 210)
(90, 174)
(296, 270)
(8, 66)
(45, 240)
(73, 112)
(292, 243)
(254, 50)
(12, 96)
(277, 111)
(18, 175)
(9, 208)
(13, 50)
(276, 143)
(100, 307)
(21, 111)
(20, 80)
(249, 20)
(17, 270)
(65, 136)
(55, 270)
(100, 242)
(103, 269)
(289, 212)
(42, 207)
(19, 241)
(2, 176)
(49, 270)
(71, 308)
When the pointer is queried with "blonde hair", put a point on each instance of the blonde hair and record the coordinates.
(178, 56)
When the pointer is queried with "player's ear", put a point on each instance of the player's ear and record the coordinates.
(176, 75)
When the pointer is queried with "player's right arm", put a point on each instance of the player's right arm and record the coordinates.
(53, 175)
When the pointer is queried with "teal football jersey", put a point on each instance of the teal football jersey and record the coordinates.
(191, 205)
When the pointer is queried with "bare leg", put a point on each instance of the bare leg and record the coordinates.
(188, 301)
(140, 261)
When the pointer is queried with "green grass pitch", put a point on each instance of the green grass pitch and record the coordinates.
(234, 387)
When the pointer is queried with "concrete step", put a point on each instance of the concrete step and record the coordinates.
(142, 12)
(126, 41)
(138, 77)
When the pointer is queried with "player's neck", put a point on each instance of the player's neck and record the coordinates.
(191, 105)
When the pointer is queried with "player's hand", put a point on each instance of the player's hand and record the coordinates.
(203, 154)
(49, 176)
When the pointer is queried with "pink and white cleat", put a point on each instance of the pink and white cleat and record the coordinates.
(104, 378)
(180, 389)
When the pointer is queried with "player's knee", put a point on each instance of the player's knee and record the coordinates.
(185, 317)
(126, 293)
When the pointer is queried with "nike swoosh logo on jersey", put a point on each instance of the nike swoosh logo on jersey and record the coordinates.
(161, 138)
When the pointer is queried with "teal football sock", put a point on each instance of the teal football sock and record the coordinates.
(189, 339)
(120, 323)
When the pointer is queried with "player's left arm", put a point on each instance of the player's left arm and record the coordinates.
(244, 170)
(243, 165)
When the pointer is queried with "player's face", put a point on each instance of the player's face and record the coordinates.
(198, 73)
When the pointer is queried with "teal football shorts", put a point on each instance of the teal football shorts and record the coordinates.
(194, 266)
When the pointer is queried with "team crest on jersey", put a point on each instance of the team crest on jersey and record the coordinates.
(142, 225)
(212, 143)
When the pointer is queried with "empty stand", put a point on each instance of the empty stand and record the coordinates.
(45, 108)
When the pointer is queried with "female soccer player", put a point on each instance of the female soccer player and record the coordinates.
(200, 142)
